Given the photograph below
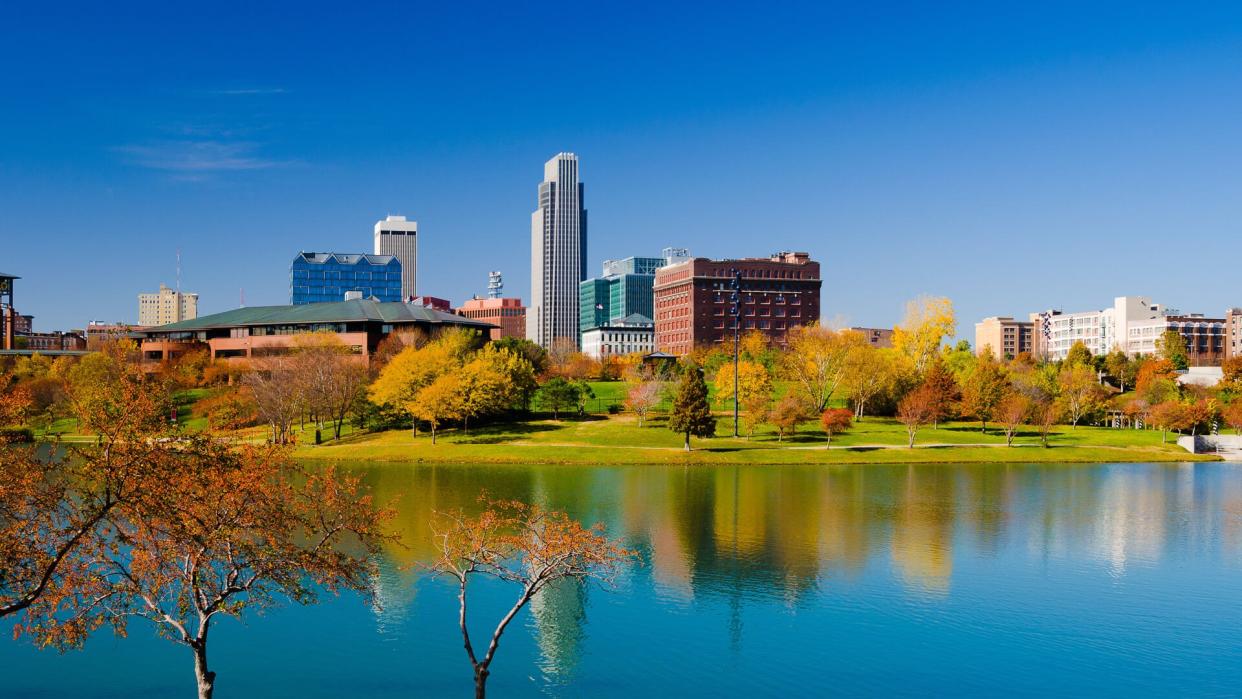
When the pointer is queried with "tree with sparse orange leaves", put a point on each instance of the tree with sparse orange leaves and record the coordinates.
(231, 530)
(916, 409)
(53, 510)
(526, 545)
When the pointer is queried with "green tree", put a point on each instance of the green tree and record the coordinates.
(691, 413)
(1120, 369)
(1172, 346)
(557, 394)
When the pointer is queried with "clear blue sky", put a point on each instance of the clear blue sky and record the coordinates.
(1013, 159)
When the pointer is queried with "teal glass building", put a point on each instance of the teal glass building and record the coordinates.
(624, 288)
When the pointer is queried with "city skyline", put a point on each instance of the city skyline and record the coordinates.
(989, 156)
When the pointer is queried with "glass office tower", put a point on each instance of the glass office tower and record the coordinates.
(318, 277)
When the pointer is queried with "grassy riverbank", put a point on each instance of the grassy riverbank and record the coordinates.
(619, 440)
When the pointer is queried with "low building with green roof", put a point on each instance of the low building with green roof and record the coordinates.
(259, 331)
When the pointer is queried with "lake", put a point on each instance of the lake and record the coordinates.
(1076, 580)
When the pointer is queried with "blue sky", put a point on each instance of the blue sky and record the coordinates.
(1014, 159)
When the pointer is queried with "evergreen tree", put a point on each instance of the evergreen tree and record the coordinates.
(691, 413)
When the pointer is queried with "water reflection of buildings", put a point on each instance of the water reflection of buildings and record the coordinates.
(740, 535)
(558, 616)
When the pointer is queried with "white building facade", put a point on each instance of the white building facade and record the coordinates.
(558, 246)
(398, 237)
(634, 333)
(1130, 325)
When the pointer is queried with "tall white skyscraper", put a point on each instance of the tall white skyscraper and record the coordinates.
(398, 237)
(558, 247)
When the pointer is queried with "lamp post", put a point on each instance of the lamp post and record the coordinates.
(736, 297)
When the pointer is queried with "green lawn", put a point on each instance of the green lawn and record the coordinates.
(619, 440)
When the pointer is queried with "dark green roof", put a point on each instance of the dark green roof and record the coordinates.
(354, 311)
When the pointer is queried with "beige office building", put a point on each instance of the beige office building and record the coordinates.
(1004, 336)
(166, 306)
(398, 237)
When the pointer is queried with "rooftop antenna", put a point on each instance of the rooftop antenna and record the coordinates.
(495, 283)
(178, 270)
(243, 297)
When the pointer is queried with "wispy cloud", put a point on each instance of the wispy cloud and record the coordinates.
(197, 158)
(251, 91)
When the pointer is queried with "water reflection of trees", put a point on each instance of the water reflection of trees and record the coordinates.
(741, 533)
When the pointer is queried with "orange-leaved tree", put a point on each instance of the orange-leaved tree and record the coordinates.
(527, 545)
(835, 421)
(53, 510)
(229, 530)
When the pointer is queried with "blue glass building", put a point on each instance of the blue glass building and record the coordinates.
(319, 277)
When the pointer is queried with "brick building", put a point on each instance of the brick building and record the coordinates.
(508, 314)
(692, 299)
(1233, 333)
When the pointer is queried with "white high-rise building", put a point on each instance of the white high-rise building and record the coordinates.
(558, 246)
(398, 237)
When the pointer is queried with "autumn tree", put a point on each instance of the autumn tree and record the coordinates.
(417, 367)
(1201, 413)
(1012, 412)
(1232, 415)
(816, 361)
(436, 403)
(53, 510)
(753, 380)
(1044, 414)
(276, 394)
(1156, 381)
(691, 414)
(869, 373)
(642, 395)
(235, 532)
(916, 409)
(1169, 415)
(835, 421)
(1171, 346)
(1078, 355)
(983, 388)
(525, 545)
(1080, 392)
(330, 376)
(943, 392)
(493, 380)
(755, 412)
(928, 321)
(786, 415)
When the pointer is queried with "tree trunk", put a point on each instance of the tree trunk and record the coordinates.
(433, 431)
(480, 682)
(828, 442)
(206, 678)
(687, 441)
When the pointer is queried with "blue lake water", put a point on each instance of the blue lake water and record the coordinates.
(1110, 580)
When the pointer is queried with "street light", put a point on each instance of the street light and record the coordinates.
(736, 285)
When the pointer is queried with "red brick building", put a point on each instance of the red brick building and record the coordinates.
(509, 315)
(692, 299)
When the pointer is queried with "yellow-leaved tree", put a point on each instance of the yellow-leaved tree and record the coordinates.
(415, 368)
(928, 321)
(438, 401)
(753, 382)
(817, 360)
